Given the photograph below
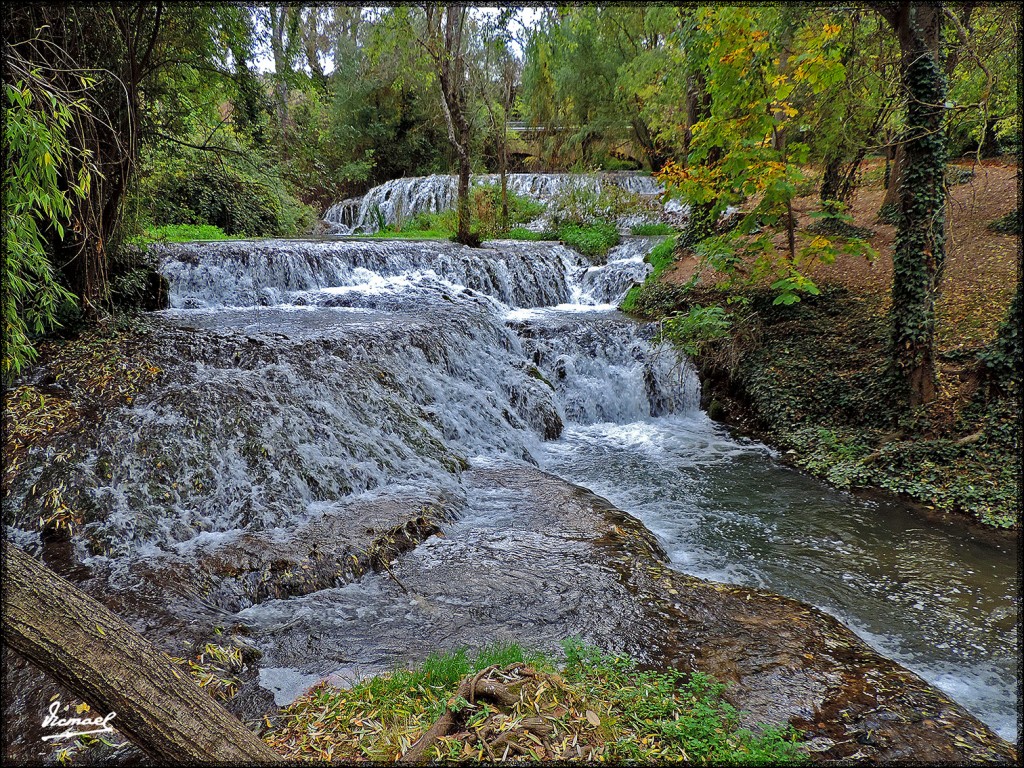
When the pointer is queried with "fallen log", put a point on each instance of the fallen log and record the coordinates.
(100, 658)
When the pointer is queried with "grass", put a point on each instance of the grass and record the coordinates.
(183, 233)
(653, 229)
(592, 240)
(521, 233)
(597, 707)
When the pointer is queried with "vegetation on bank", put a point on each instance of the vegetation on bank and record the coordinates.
(815, 378)
(506, 703)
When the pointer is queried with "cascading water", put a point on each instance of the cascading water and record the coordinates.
(315, 395)
(402, 199)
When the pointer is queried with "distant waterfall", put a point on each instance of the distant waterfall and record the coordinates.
(402, 199)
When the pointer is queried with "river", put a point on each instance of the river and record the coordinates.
(315, 391)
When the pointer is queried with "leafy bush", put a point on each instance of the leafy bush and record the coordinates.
(38, 152)
(692, 331)
(593, 241)
(183, 191)
(581, 203)
(485, 207)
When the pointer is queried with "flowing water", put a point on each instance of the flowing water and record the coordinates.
(402, 199)
(318, 393)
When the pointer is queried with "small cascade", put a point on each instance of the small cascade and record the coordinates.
(625, 267)
(276, 272)
(402, 199)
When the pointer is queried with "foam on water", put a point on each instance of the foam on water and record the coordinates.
(304, 381)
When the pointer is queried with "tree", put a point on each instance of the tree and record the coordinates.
(99, 657)
(919, 251)
(445, 43)
(750, 71)
(38, 148)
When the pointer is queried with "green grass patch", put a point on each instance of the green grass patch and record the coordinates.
(595, 707)
(657, 228)
(183, 233)
(592, 240)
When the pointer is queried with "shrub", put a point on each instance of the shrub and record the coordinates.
(38, 152)
(581, 203)
(593, 241)
(692, 331)
(239, 203)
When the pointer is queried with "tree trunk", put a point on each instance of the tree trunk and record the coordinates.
(920, 240)
(100, 658)
(831, 179)
(891, 201)
(463, 235)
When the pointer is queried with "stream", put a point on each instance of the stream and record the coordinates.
(314, 392)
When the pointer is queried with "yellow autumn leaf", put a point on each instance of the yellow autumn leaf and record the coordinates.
(83, 707)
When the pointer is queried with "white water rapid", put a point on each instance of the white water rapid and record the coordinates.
(315, 392)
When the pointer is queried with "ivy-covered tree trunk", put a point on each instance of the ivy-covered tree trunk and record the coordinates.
(920, 239)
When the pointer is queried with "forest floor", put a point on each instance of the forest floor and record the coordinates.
(811, 378)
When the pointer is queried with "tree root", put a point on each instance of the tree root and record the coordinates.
(482, 686)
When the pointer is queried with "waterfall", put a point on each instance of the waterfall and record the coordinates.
(300, 373)
(402, 199)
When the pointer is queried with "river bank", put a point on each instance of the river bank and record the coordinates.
(811, 378)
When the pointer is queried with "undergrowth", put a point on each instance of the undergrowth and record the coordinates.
(816, 383)
(592, 240)
(596, 707)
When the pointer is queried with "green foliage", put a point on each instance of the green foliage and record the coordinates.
(587, 67)
(699, 326)
(684, 714)
(1004, 357)
(184, 233)
(37, 147)
(653, 229)
(655, 298)
(485, 209)
(485, 213)
(237, 202)
(833, 221)
(814, 377)
(661, 257)
(593, 240)
(586, 203)
(644, 715)
(521, 233)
